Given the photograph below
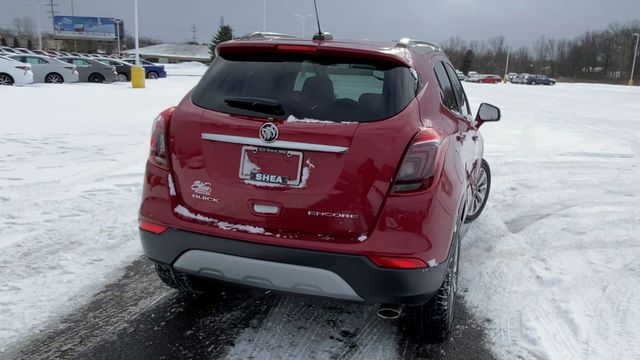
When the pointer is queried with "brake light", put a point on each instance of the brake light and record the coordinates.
(397, 262)
(418, 168)
(158, 153)
(152, 228)
(304, 48)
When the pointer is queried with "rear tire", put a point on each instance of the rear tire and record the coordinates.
(481, 192)
(122, 77)
(96, 78)
(153, 75)
(180, 281)
(53, 78)
(433, 321)
(6, 79)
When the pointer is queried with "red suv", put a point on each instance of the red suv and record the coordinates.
(325, 168)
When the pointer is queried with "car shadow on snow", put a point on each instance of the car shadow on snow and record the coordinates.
(137, 317)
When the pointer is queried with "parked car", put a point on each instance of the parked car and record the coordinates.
(151, 70)
(538, 80)
(48, 70)
(23, 51)
(490, 79)
(238, 190)
(13, 72)
(123, 69)
(460, 75)
(8, 50)
(91, 70)
(40, 52)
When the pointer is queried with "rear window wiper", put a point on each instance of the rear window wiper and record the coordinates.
(267, 106)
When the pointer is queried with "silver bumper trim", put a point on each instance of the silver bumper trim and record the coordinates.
(266, 274)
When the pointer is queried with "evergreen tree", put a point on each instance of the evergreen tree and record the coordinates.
(225, 33)
(467, 61)
(3, 41)
(29, 44)
(16, 43)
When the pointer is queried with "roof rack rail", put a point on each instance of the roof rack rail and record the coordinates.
(425, 46)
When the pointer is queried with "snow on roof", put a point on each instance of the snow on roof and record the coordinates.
(200, 52)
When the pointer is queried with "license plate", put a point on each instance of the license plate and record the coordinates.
(273, 166)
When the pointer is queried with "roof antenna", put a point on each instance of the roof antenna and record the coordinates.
(320, 36)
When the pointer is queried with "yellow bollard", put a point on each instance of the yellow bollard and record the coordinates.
(137, 77)
(630, 82)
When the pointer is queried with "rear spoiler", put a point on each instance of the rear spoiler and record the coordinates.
(399, 56)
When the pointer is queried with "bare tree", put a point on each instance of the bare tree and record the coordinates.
(24, 27)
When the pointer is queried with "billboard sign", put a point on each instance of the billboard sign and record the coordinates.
(84, 27)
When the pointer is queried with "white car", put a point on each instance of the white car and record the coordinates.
(13, 72)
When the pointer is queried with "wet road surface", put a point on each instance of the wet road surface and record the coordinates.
(138, 317)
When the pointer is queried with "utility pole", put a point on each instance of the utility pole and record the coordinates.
(73, 13)
(118, 21)
(39, 24)
(635, 54)
(193, 30)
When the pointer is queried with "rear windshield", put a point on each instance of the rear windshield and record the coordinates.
(305, 87)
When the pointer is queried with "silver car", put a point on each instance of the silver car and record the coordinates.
(48, 70)
(91, 70)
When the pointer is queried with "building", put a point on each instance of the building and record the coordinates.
(173, 53)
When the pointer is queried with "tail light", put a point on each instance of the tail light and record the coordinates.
(393, 262)
(420, 163)
(159, 152)
(152, 228)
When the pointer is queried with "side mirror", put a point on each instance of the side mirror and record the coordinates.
(487, 113)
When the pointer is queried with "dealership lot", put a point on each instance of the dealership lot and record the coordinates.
(551, 265)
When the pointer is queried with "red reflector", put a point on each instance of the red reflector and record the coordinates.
(297, 48)
(397, 262)
(151, 227)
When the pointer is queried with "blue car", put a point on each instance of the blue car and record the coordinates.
(151, 70)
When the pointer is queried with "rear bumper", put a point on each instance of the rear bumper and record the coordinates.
(339, 276)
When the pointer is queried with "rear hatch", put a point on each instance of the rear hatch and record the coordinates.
(300, 145)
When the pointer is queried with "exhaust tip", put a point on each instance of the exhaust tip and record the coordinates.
(389, 311)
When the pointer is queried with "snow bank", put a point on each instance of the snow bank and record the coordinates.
(192, 68)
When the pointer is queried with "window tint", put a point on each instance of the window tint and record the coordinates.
(307, 87)
(80, 62)
(458, 90)
(35, 60)
(448, 96)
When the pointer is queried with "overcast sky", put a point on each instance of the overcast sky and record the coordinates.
(521, 21)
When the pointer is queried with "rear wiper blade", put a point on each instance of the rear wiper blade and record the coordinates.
(267, 106)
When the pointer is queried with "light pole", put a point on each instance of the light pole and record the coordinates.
(303, 18)
(506, 68)
(118, 21)
(137, 72)
(39, 25)
(264, 16)
(635, 54)
(137, 39)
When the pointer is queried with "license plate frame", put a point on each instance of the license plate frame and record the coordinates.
(247, 169)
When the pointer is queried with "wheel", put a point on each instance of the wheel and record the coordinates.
(480, 192)
(96, 78)
(6, 79)
(54, 78)
(152, 75)
(180, 281)
(122, 77)
(533, 83)
(433, 321)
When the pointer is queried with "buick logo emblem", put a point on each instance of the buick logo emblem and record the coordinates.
(268, 132)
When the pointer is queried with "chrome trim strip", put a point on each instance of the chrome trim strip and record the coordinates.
(280, 144)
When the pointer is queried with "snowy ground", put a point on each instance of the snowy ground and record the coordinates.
(551, 263)
(70, 179)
